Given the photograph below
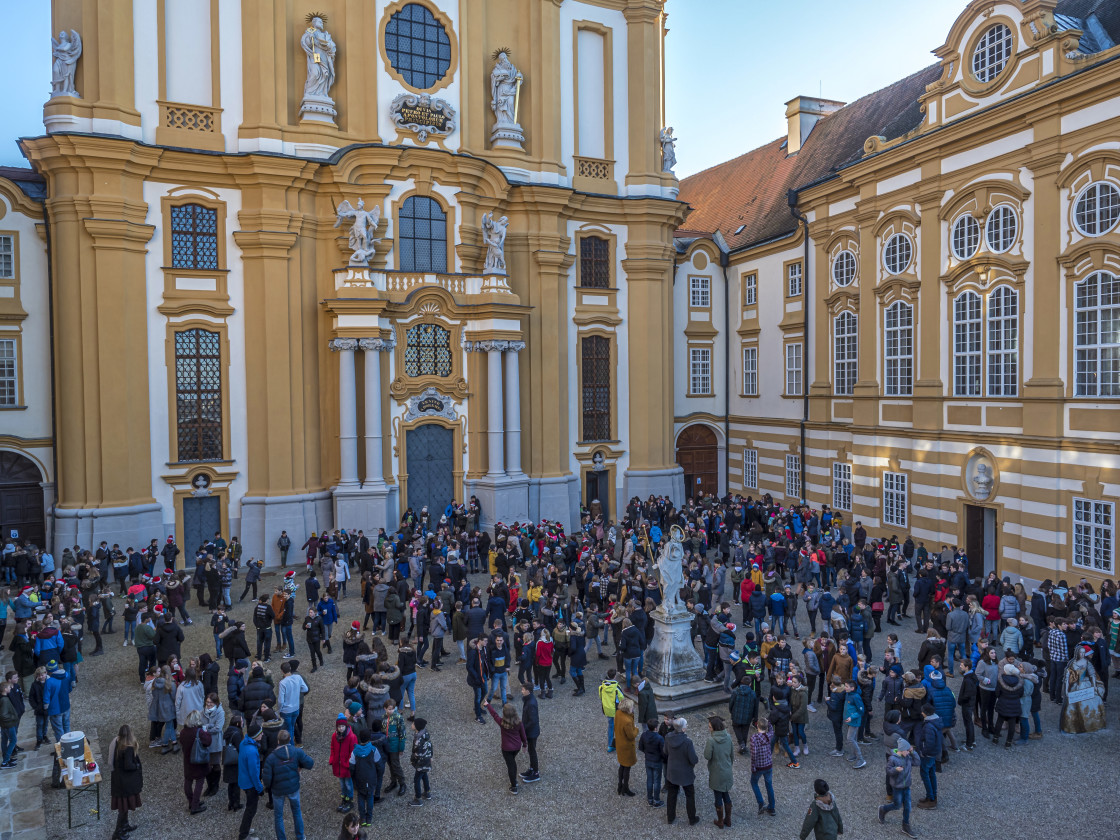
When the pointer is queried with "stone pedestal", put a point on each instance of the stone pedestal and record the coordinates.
(504, 498)
(642, 483)
(364, 508)
(319, 109)
(672, 661)
(507, 137)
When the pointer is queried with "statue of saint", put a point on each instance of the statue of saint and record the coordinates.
(66, 50)
(1083, 704)
(505, 80)
(668, 150)
(670, 568)
(364, 223)
(321, 51)
(494, 233)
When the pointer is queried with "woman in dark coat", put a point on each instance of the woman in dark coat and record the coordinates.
(232, 736)
(127, 780)
(194, 774)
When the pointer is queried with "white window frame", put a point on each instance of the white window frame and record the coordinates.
(793, 477)
(968, 345)
(845, 353)
(1002, 226)
(9, 372)
(7, 257)
(1101, 223)
(750, 371)
(700, 292)
(750, 289)
(893, 251)
(896, 499)
(794, 284)
(965, 242)
(898, 351)
(992, 52)
(1094, 535)
(1096, 362)
(844, 268)
(794, 369)
(700, 371)
(841, 485)
(750, 469)
(1003, 342)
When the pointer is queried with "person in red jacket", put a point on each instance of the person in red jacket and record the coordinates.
(342, 744)
(542, 663)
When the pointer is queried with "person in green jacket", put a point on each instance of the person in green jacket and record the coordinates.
(823, 818)
(720, 755)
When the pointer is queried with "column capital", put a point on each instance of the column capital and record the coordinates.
(337, 344)
(515, 346)
(377, 344)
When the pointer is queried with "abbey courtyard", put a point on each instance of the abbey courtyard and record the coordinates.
(378, 309)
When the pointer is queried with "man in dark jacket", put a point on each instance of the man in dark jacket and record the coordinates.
(929, 744)
(169, 640)
(281, 776)
(531, 720)
(258, 691)
(263, 620)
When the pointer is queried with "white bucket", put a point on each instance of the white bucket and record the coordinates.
(73, 745)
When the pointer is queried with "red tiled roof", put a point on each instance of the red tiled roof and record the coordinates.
(750, 190)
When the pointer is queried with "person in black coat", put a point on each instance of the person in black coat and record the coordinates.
(531, 720)
(234, 644)
(258, 691)
(127, 779)
(231, 738)
(169, 640)
(209, 673)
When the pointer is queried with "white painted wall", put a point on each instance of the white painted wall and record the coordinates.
(188, 65)
(590, 52)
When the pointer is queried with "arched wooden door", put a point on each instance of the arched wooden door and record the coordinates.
(21, 500)
(698, 456)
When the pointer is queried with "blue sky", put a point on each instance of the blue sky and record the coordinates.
(730, 65)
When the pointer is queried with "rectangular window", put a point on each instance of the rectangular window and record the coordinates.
(7, 257)
(967, 345)
(845, 353)
(596, 385)
(198, 395)
(750, 371)
(9, 373)
(594, 263)
(793, 477)
(842, 486)
(895, 501)
(1003, 343)
(699, 292)
(700, 371)
(750, 290)
(793, 280)
(1094, 535)
(793, 370)
(898, 350)
(750, 469)
(194, 237)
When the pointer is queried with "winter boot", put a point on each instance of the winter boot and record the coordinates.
(718, 821)
(727, 815)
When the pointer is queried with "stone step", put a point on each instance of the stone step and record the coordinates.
(711, 694)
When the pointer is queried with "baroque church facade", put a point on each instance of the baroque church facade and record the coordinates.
(292, 270)
(908, 308)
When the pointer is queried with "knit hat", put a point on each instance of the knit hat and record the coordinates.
(936, 675)
(903, 745)
(354, 707)
(357, 625)
(254, 730)
(341, 717)
(420, 724)
(896, 669)
(1010, 670)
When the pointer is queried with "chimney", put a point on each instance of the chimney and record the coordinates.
(802, 113)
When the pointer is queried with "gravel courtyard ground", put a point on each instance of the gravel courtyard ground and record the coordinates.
(1059, 786)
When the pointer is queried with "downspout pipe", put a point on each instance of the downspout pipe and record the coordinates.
(53, 378)
(724, 261)
(791, 199)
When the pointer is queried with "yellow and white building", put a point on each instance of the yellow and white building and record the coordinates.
(216, 363)
(929, 340)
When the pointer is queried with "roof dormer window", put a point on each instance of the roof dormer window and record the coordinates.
(992, 53)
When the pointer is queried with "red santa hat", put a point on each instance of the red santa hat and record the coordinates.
(170, 538)
(158, 608)
(28, 589)
(290, 575)
(156, 580)
(169, 572)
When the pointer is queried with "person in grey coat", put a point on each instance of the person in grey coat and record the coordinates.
(680, 758)
(956, 631)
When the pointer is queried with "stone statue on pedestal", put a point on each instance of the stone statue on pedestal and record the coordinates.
(66, 50)
(672, 662)
(321, 51)
(362, 240)
(670, 568)
(668, 150)
(494, 233)
(505, 93)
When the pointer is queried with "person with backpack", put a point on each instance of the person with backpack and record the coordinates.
(366, 763)
(281, 776)
(395, 742)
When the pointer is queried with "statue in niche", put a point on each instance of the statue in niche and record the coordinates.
(363, 225)
(505, 97)
(982, 482)
(66, 49)
(321, 51)
(494, 233)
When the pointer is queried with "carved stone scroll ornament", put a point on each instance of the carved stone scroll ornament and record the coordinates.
(337, 344)
(383, 345)
(423, 115)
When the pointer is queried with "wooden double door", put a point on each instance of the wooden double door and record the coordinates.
(698, 456)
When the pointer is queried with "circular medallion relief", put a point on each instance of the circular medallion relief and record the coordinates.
(980, 475)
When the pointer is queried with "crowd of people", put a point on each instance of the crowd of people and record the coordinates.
(786, 604)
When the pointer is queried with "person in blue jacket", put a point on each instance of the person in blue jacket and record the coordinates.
(249, 776)
(328, 611)
(281, 775)
(56, 699)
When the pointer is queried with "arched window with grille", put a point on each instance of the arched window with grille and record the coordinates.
(595, 353)
(898, 350)
(967, 345)
(194, 237)
(422, 237)
(198, 395)
(845, 346)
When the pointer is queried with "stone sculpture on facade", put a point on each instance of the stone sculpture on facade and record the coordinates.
(321, 51)
(505, 95)
(494, 233)
(66, 50)
(982, 481)
(363, 225)
(668, 150)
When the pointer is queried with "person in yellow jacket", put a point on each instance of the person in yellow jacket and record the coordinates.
(610, 695)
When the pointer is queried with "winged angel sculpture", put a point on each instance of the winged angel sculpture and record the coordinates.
(66, 49)
(364, 223)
